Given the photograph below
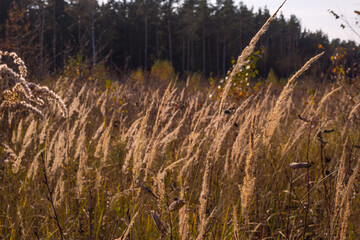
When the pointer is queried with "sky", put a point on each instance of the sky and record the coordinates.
(314, 14)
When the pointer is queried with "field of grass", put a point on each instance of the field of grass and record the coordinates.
(131, 161)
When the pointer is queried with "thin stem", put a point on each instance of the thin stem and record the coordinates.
(90, 216)
(51, 200)
(308, 181)
(171, 226)
(324, 167)
(289, 209)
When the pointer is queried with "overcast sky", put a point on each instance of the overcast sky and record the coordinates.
(314, 15)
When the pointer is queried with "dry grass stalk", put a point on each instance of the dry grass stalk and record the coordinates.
(248, 186)
(163, 109)
(27, 140)
(176, 205)
(324, 100)
(343, 212)
(184, 227)
(75, 104)
(225, 131)
(81, 172)
(127, 231)
(140, 143)
(293, 139)
(236, 223)
(59, 190)
(192, 158)
(354, 111)
(276, 114)
(241, 61)
(30, 132)
(99, 131)
(161, 135)
(157, 141)
(129, 137)
(34, 166)
(59, 152)
(244, 124)
(11, 155)
(19, 133)
(50, 198)
(106, 140)
(240, 141)
(103, 105)
(227, 162)
(158, 222)
(125, 192)
(340, 176)
(161, 189)
(338, 190)
(199, 117)
(162, 174)
(50, 149)
(204, 196)
(43, 133)
(173, 135)
(72, 132)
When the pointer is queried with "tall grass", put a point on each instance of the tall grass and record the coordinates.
(133, 162)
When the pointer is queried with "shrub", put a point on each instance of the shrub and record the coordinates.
(163, 72)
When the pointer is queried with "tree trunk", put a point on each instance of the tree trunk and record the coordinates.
(93, 33)
(192, 54)
(169, 30)
(42, 24)
(217, 53)
(79, 33)
(204, 51)
(188, 55)
(183, 52)
(54, 36)
(157, 42)
(224, 57)
(146, 40)
(210, 56)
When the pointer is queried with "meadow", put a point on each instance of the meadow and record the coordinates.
(150, 157)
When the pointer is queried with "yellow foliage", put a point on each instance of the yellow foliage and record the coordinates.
(138, 75)
(163, 71)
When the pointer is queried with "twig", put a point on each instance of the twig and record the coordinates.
(289, 210)
(324, 168)
(308, 181)
(50, 199)
(90, 216)
(317, 184)
(36, 234)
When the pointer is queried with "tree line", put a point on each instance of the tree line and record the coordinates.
(194, 35)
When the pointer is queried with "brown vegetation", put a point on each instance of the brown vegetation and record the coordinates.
(134, 162)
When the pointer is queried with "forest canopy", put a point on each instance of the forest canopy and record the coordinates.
(194, 35)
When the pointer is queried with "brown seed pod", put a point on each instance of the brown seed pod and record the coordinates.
(158, 222)
(176, 205)
(301, 165)
(147, 190)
